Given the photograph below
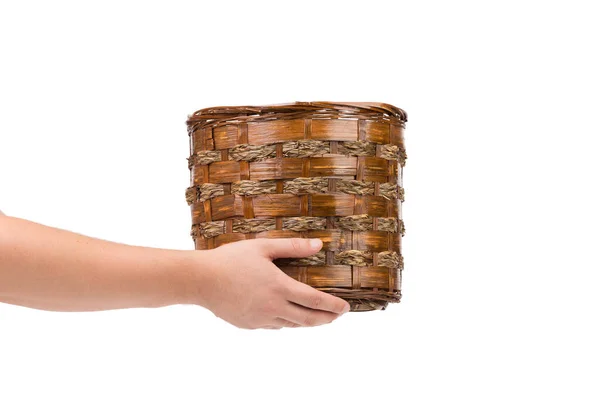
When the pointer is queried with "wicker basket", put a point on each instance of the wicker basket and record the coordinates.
(311, 170)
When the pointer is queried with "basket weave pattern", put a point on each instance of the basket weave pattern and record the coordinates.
(312, 170)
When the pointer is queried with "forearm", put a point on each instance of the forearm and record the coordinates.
(52, 269)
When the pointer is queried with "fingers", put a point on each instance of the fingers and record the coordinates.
(292, 248)
(311, 298)
(283, 323)
(303, 316)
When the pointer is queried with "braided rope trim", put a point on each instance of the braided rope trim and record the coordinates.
(203, 157)
(298, 149)
(205, 191)
(364, 222)
(357, 258)
(360, 148)
(394, 153)
(365, 300)
(355, 187)
(253, 188)
(305, 148)
(306, 185)
(316, 259)
(191, 195)
(360, 223)
(390, 259)
(299, 224)
(389, 190)
(296, 186)
(253, 225)
(247, 152)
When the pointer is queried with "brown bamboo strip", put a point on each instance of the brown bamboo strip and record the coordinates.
(335, 129)
(278, 184)
(377, 132)
(275, 131)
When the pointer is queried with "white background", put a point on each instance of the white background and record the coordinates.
(501, 280)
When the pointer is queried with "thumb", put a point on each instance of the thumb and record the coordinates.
(292, 248)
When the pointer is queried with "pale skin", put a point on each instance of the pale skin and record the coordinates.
(56, 270)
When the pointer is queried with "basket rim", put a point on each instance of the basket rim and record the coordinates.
(316, 109)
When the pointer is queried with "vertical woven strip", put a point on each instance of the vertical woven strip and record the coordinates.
(358, 206)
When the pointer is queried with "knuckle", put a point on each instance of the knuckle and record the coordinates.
(315, 301)
(296, 244)
(309, 320)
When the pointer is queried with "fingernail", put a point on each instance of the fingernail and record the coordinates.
(346, 309)
(315, 244)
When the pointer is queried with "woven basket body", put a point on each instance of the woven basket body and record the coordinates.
(310, 170)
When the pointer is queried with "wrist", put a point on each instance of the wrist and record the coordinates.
(195, 277)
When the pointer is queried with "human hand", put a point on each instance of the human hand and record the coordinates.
(244, 287)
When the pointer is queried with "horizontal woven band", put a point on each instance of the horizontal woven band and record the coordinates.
(297, 186)
(359, 258)
(297, 149)
(341, 276)
(359, 223)
(289, 205)
(334, 240)
(374, 169)
(363, 299)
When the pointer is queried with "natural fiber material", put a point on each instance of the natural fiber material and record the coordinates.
(357, 223)
(389, 259)
(354, 257)
(356, 187)
(402, 228)
(253, 225)
(317, 259)
(305, 148)
(245, 152)
(308, 170)
(204, 158)
(253, 188)
(359, 148)
(306, 185)
(361, 222)
(209, 190)
(364, 300)
(212, 229)
(387, 224)
(388, 190)
(294, 186)
(191, 195)
(301, 224)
